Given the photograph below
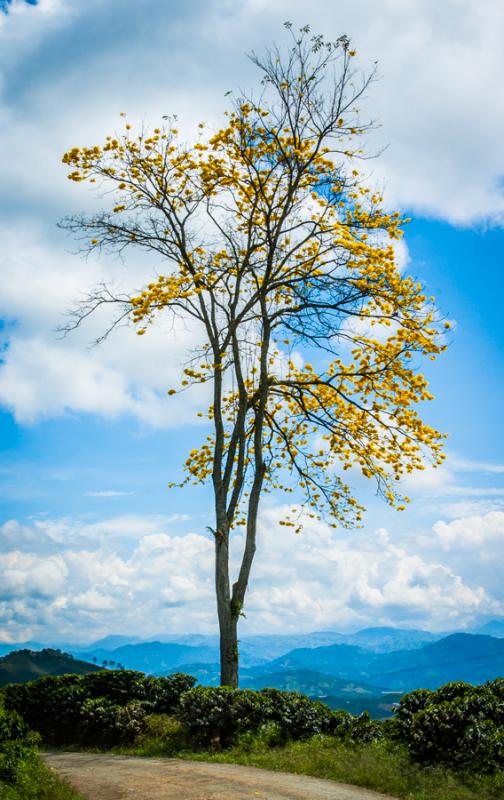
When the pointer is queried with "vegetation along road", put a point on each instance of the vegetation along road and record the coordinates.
(119, 777)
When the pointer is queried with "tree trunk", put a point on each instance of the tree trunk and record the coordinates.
(227, 614)
(228, 625)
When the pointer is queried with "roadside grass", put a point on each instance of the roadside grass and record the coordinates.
(38, 782)
(379, 765)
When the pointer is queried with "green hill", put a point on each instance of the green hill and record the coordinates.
(28, 665)
(310, 683)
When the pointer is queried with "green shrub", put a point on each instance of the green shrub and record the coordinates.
(15, 758)
(357, 730)
(218, 716)
(12, 726)
(38, 782)
(118, 686)
(459, 725)
(49, 705)
(104, 723)
(208, 713)
(17, 746)
(61, 707)
(297, 715)
(163, 694)
(163, 735)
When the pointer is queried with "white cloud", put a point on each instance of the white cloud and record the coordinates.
(43, 375)
(443, 481)
(427, 94)
(26, 575)
(335, 579)
(472, 546)
(108, 493)
(473, 532)
(141, 575)
(468, 508)
(466, 465)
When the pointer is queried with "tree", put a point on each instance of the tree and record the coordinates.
(280, 256)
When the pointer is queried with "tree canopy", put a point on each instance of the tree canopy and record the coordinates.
(308, 332)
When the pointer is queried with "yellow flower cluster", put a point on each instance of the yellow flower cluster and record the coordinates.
(263, 233)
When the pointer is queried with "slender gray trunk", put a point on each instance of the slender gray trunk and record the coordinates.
(227, 614)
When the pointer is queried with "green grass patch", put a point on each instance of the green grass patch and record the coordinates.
(38, 782)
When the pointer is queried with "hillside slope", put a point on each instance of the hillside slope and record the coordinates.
(458, 657)
(27, 665)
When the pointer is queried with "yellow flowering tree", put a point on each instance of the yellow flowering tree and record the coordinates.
(310, 336)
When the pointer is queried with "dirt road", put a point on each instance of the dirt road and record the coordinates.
(104, 777)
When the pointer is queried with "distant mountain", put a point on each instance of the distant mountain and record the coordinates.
(341, 660)
(20, 666)
(9, 648)
(493, 628)
(274, 646)
(388, 658)
(108, 643)
(257, 649)
(154, 657)
(460, 656)
(314, 684)
(385, 640)
(192, 639)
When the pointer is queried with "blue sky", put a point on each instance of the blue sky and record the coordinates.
(4, 4)
(92, 540)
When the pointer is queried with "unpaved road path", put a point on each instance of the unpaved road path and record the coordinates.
(105, 777)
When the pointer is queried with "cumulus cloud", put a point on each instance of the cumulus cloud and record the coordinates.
(183, 56)
(43, 374)
(141, 575)
(471, 545)
(469, 508)
(473, 532)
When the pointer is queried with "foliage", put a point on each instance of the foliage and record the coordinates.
(104, 723)
(208, 713)
(459, 725)
(220, 715)
(108, 705)
(163, 735)
(360, 729)
(292, 250)
(38, 782)
(297, 715)
(23, 776)
(17, 746)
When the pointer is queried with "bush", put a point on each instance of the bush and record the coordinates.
(297, 715)
(49, 705)
(64, 709)
(208, 713)
(104, 723)
(459, 725)
(163, 694)
(17, 747)
(219, 715)
(357, 730)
